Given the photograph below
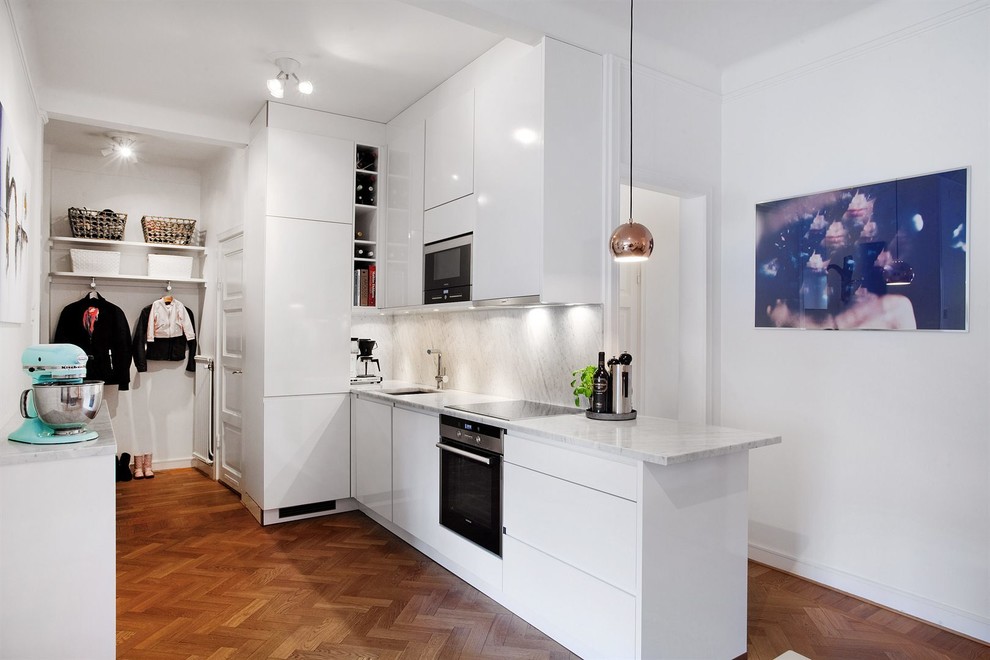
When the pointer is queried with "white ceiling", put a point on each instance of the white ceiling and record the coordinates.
(209, 59)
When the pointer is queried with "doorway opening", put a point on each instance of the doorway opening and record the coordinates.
(663, 307)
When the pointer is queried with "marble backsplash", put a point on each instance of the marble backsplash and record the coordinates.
(516, 353)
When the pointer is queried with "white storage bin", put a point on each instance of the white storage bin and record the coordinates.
(168, 266)
(95, 262)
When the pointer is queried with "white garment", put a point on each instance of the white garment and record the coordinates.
(168, 320)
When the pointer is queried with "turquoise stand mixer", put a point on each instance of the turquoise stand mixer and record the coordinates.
(60, 402)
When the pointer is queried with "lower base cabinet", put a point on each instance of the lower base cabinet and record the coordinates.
(416, 474)
(371, 451)
(588, 616)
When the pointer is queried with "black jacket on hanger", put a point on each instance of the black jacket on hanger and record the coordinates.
(100, 328)
(171, 348)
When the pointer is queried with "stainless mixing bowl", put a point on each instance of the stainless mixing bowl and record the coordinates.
(68, 406)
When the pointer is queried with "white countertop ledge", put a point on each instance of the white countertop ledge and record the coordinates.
(649, 439)
(12, 453)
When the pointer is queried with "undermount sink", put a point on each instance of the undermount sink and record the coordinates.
(401, 391)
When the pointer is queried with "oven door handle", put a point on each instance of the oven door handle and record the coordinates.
(465, 454)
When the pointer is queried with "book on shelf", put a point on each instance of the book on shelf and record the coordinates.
(364, 288)
(357, 287)
(371, 285)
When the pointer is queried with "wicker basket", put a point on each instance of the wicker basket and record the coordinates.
(89, 223)
(95, 262)
(176, 231)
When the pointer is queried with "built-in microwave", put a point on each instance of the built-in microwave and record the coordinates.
(447, 270)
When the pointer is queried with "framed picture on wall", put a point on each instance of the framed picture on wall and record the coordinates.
(14, 230)
(878, 256)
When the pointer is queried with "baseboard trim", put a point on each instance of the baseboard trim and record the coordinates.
(937, 614)
(172, 464)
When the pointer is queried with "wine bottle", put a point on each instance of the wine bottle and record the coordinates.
(599, 386)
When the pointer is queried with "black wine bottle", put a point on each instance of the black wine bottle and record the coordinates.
(600, 387)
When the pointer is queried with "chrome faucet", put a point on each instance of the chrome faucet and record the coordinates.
(441, 376)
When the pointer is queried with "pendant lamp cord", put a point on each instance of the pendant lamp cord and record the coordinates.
(631, 110)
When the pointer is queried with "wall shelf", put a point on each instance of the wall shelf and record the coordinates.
(96, 242)
(126, 278)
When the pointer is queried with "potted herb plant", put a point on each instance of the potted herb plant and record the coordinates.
(582, 384)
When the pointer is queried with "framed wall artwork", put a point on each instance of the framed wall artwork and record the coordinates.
(879, 256)
(14, 270)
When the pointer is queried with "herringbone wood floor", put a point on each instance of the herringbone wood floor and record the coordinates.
(198, 578)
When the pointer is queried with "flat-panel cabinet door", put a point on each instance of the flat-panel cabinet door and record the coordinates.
(310, 176)
(372, 448)
(404, 228)
(450, 152)
(307, 449)
(307, 306)
(450, 219)
(416, 474)
(508, 235)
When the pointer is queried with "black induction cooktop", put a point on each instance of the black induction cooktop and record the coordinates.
(513, 410)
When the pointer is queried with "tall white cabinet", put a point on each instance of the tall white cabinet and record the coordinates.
(298, 238)
(538, 178)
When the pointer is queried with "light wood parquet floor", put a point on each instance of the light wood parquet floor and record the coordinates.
(198, 578)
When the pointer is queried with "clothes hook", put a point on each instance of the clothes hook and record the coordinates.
(92, 283)
(168, 285)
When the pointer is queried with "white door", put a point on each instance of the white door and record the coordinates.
(230, 367)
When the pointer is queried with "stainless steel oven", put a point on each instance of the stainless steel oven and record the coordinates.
(447, 270)
(471, 481)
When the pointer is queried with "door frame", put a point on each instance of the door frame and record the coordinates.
(221, 473)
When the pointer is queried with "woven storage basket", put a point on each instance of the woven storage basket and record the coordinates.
(89, 223)
(167, 266)
(176, 231)
(95, 262)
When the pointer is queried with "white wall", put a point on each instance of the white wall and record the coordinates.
(156, 414)
(882, 484)
(656, 371)
(22, 121)
(676, 147)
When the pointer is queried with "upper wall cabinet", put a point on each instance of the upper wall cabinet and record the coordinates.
(539, 178)
(450, 152)
(310, 176)
(404, 228)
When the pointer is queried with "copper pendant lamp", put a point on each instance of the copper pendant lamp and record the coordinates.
(631, 241)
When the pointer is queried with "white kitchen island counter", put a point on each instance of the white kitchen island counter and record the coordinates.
(620, 539)
(57, 546)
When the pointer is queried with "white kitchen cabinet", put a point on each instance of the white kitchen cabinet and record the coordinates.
(450, 152)
(416, 474)
(307, 287)
(585, 614)
(451, 219)
(298, 274)
(539, 177)
(580, 586)
(371, 443)
(404, 229)
(309, 176)
(57, 561)
(310, 463)
(554, 516)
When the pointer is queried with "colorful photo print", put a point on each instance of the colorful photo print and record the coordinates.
(881, 256)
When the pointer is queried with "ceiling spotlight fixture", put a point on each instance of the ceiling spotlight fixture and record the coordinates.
(288, 73)
(121, 146)
(631, 241)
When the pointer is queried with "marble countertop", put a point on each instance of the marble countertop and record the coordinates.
(12, 453)
(650, 439)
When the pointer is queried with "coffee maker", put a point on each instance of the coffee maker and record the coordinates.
(363, 360)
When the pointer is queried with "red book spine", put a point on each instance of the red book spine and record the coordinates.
(371, 285)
